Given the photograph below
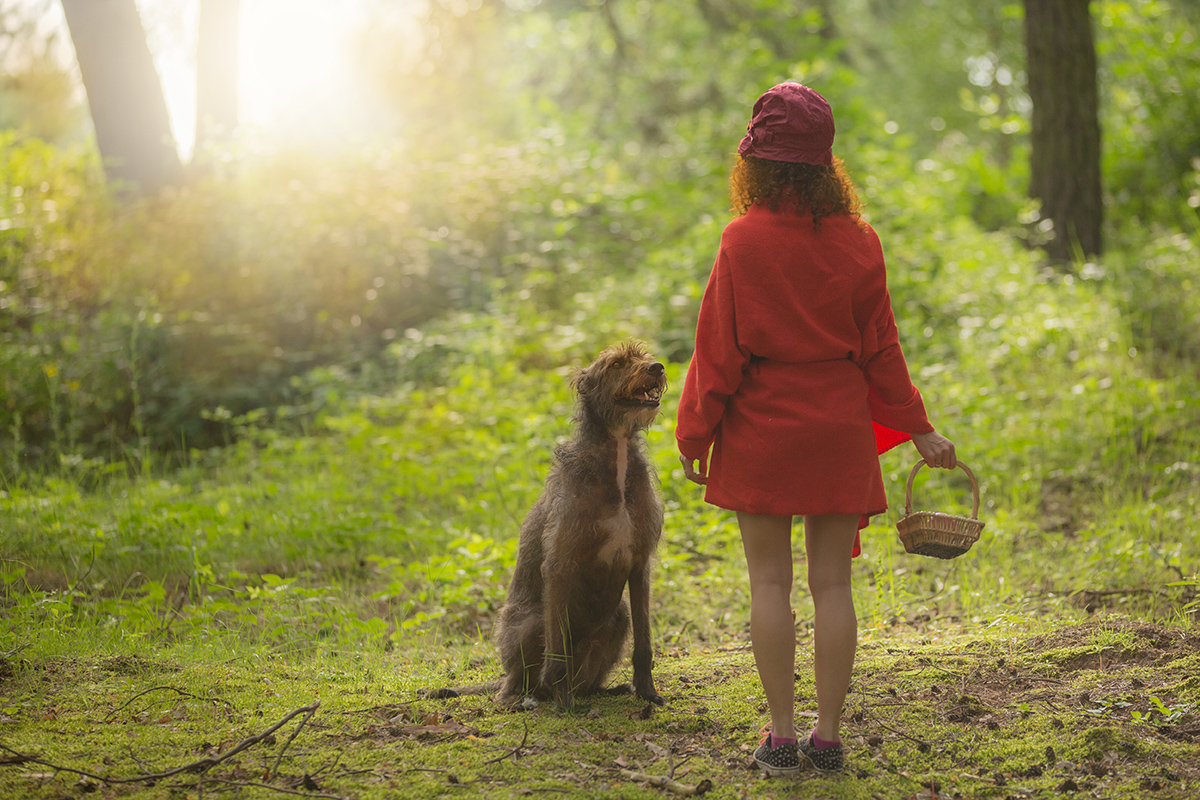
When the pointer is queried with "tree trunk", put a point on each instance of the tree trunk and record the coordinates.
(1065, 163)
(217, 71)
(125, 97)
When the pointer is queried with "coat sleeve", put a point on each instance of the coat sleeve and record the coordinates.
(716, 369)
(896, 405)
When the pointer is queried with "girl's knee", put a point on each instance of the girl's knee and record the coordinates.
(775, 581)
(829, 584)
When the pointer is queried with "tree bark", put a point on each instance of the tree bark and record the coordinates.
(129, 111)
(1065, 162)
(217, 71)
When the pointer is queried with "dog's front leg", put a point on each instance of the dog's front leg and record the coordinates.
(557, 666)
(643, 655)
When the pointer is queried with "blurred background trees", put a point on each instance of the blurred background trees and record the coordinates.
(1065, 124)
(37, 91)
(557, 166)
(125, 98)
(217, 40)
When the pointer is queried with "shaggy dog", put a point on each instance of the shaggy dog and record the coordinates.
(592, 532)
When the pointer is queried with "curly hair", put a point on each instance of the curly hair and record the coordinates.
(813, 188)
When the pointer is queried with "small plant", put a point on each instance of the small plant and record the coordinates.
(1194, 604)
(1160, 713)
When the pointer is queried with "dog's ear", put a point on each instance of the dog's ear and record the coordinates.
(583, 381)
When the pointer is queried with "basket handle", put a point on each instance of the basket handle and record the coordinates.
(963, 467)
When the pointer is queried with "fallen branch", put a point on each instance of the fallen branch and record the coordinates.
(516, 751)
(1032, 678)
(419, 769)
(292, 738)
(23, 758)
(923, 746)
(664, 782)
(203, 765)
(180, 692)
(280, 789)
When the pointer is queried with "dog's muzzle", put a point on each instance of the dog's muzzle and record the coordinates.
(649, 394)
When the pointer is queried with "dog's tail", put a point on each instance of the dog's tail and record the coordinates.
(489, 688)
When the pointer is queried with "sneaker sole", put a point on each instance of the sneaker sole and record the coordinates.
(779, 772)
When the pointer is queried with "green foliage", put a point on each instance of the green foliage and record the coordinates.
(359, 366)
(578, 188)
(147, 330)
(358, 369)
(1159, 283)
(38, 96)
(1149, 53)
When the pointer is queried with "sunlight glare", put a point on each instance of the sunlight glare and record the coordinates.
(297, 78)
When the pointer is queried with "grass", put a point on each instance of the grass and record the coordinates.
(165, 644)
(977, 715)
(359, 554)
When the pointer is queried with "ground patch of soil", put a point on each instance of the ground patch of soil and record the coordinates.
(1110, 707)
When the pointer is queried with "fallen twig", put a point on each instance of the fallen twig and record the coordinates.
(515, 751)
(664, 782)
(922, 744)
(337, 759)
(203, 765)
(292, 738)
(1032, 678)
(420, 769)
(676, 636)
(280, 789)
(181, 692)
(23, 758)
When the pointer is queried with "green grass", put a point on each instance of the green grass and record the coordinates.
(359, 553)
(982, 715)
(360, 563)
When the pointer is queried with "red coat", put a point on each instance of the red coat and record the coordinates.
(798, 381)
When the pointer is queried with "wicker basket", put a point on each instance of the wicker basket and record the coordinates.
(932, 533)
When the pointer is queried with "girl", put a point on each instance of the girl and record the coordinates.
(797, 384)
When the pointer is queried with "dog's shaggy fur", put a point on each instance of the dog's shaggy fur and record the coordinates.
(592, 532)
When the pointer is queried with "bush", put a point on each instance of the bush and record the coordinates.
(149, 329)
(1159, 287)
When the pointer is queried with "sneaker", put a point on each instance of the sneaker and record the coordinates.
(828, 759)
(783, 761)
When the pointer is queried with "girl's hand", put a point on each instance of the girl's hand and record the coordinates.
(691, 473)
(937, 450)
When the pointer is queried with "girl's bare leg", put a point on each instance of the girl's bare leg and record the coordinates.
(767, 541)
(829, 540)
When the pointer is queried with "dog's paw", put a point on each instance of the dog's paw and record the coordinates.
(651, 696)
(516, 702)
(510, 699)
(564, 699)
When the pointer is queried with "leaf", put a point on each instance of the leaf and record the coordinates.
(658, 750)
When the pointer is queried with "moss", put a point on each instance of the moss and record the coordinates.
(374, 737)
(1099, 742)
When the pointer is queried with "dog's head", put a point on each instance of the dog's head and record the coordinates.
(622, 388)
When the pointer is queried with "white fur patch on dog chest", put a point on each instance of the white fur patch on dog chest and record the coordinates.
(622, 467)
(618, 537)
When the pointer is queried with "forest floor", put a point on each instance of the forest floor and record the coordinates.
(1104, 708)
